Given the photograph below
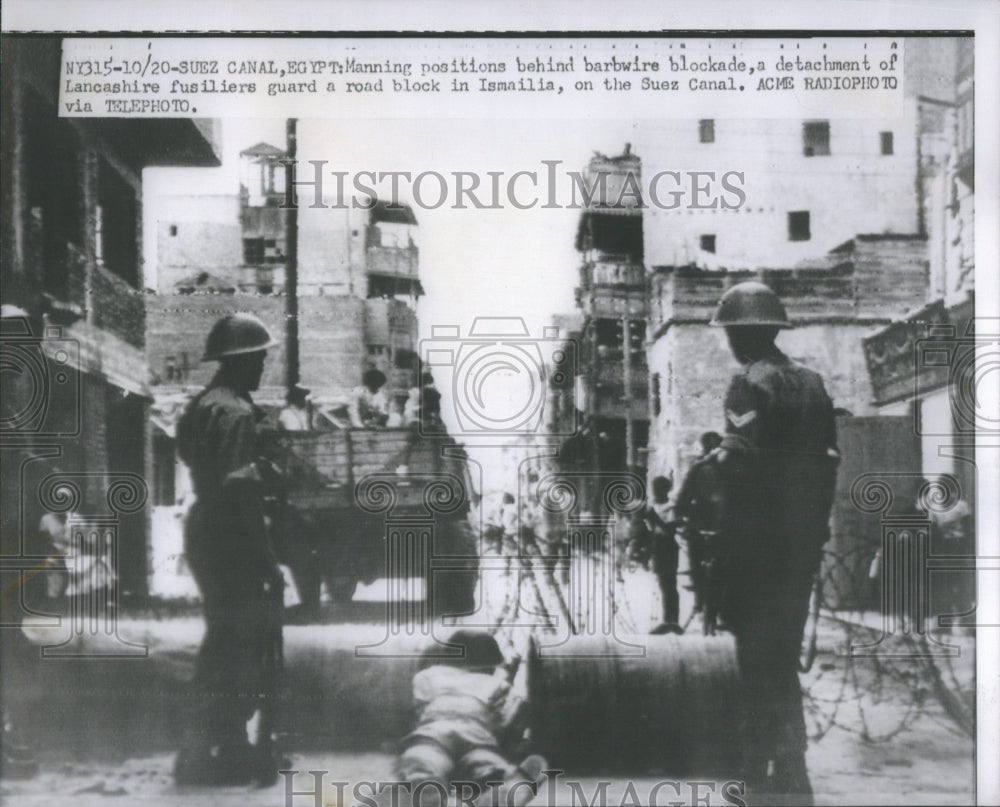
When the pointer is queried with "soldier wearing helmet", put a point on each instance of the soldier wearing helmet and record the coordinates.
(777, 462)
(229, 553)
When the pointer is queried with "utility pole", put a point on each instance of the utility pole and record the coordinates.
(627, 383)
(291, 267)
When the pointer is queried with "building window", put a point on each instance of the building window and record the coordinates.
(637, 340)
(53, 191)
(173, 230)
(405, 359)
(654, 387)
(706, 131)
(119, 219)
(253, 251)
(816, 138)
(798, 225)
(274, 250)
(376, 350)
(885, 140)
(708, 243)
(608, 338)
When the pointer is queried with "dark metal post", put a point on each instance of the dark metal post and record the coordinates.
(291, 270)
(627, 383)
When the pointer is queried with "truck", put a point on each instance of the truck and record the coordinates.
(362, 504)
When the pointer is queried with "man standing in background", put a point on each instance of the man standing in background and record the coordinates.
(698, 507)
(660, 530)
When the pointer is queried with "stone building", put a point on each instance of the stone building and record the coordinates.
(71, 260)
(611, 298)
(855, 223)
(358, 285)
(866, 283)
(861, 306)
(809, 184)
(923, 366)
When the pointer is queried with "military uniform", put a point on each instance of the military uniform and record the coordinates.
(230, 556)
(665, 554)
(778, 465)
(700, 503)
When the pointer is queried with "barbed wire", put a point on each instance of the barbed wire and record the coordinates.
(898, 679)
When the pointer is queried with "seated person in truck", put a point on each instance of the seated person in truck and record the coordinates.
(369, 407)
(468, 714)
(296, 415)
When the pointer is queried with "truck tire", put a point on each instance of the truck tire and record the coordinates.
(454, 590)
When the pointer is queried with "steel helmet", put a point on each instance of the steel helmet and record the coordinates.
(751, 303)
(235, 334)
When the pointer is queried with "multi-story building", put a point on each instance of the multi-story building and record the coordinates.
(357, 283)
(862, 284)
(844, 220)
(804, 185)
(612, 300)
(72, 241)
(922, 367)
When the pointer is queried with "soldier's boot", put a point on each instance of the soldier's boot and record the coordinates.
(789, 781)
(667, 627)
(753, 771)
(226, 766)
(210, 767)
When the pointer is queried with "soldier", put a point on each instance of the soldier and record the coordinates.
(660, 529)
(778, 462)
(698, 508)
(230, 555)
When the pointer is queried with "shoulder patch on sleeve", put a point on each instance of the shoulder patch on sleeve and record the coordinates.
(739, 421)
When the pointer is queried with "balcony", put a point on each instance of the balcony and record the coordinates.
(610, 272)
(610, 402)
(610, 303)
(118, 307)
(395, 262)
(262, 222)
(612, 372)
(918, 354)
(611, 397)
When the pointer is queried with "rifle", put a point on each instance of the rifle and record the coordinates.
(272, 664)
